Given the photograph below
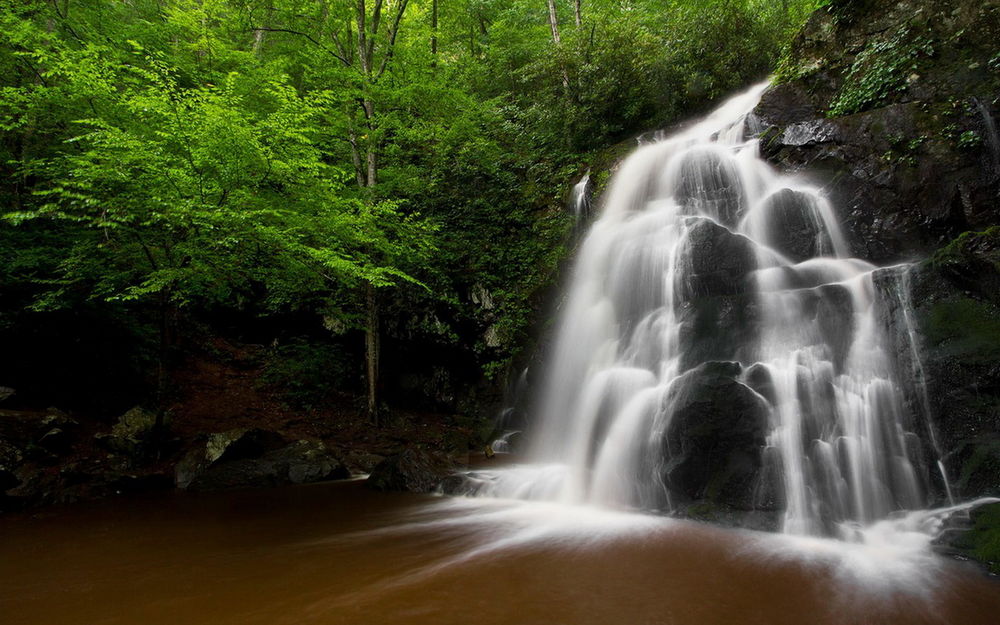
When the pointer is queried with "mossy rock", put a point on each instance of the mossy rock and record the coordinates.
(979, 472)
(965, 327)
(982, 541)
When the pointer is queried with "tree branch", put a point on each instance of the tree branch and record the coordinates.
(393, 30)
(307, 36)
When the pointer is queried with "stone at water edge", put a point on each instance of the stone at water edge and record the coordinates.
(132, 435)
(413, 470)
(254, 458)
(10, 459)
(715, 437)
(310, 461)
(235, 444)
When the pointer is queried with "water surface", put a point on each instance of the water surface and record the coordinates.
(340, 554)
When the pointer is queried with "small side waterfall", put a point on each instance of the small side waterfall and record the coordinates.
(718, 341)
(579, 203)
(992, 136)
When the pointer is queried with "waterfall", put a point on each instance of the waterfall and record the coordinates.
(579, 198)
(992, 137)
(717, 341)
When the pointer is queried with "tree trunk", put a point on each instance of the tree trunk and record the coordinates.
(359, 170)
(371, 303)
(554, 22)
(372, 352)
(577, 14)
(371, 155)
(554, 25)
(158, 434)
(434, 28)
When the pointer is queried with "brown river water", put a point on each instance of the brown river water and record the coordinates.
(340, 554)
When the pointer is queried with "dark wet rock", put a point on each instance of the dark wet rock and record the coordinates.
(908, 166)
(795, 228)
(362, 462)
(508, 442)
(955, 319)
(132, 435)
(788, 101)
(832, 308)
(715, 438)
(975, 536)
(310, 461)
(56, 441)
(414, 470)
(728, 516)
(717, 308)
(769, 490)
(710, 184)
(33, 487)
(722, 327)
(254, 458)
(459, 484)
(10, 459)
(758, 377)
(241, 443)
(717, 261)
(57, 419)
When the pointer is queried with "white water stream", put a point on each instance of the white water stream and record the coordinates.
(703, 257)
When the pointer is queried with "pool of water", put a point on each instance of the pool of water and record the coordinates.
(340, 554)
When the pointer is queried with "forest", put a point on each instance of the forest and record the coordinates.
(514, 311)
(337, 180)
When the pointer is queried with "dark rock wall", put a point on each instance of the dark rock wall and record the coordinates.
(888, 107)
(891, 107)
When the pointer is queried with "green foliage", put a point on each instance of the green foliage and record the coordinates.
(969, 139)
(307, 373)
(881, 68)
(956, 250)
(966, 326)
(249, 157)
(982, 541)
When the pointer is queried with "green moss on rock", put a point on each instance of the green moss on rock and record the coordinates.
(982, 541)
(967, 327)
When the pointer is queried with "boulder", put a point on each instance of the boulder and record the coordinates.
(310, 461)
(981, 541)
(254, 458)
(414, 470)
(758, 377)
(132, 435)
(717, 261)
(709, 184)
(794, 225)
(361, 461)
(722, 327)
(56, 441)
(714, 441)
(241, 443)
(10, 460)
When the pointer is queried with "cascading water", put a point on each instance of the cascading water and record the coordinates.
(718, 341)
(579, 198)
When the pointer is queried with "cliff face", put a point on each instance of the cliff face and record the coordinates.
(892, 107)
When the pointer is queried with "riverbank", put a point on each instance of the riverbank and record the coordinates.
(223, 427)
